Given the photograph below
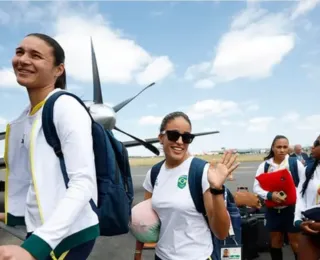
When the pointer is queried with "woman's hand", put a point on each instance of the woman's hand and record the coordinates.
(218, 173)
(310, 227)
(315, 226)
(245, 198)
(276, 197)
(12, 252)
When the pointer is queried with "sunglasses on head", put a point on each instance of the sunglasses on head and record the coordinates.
(174, 135)
(316, 143)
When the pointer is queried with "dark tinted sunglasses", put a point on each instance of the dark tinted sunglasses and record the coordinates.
(316, 143)
(174, 135)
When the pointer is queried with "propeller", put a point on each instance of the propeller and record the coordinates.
(116, 108)
(145, 144)
(97, 98)
(97, 93)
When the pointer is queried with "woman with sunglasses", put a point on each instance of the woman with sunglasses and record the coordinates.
(184, 232)
(309, 197)
(279, 219)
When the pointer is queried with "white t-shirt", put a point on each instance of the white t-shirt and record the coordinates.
(184, 233)
(32, 215)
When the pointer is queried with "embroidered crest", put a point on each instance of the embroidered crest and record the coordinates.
(182, 181)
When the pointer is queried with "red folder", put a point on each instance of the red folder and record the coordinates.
(280, 180)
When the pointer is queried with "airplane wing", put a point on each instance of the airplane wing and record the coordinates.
(126, 143)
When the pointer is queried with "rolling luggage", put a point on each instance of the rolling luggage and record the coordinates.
(249, 226)
(263, 240)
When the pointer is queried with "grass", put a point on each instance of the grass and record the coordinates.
(149, 161)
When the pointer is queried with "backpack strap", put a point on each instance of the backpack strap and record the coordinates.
(293, 165)
(266, 167)
(195, 184)
(195, 187)
(155, 170)
(49, 128)
(51, 135)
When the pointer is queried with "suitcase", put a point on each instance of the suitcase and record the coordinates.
(263, 240)
(249, 237)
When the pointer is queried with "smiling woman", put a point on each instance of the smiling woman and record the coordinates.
(184, 233)
(59, 219)
(47, 66)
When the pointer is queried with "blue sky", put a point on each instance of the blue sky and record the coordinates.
(248, 69)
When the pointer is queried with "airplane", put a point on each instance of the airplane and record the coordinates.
(106, 114)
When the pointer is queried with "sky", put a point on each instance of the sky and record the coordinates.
(249, 69)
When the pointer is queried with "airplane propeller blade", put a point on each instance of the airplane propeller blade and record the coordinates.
(97, 94)
(145, 144)
(116, 108)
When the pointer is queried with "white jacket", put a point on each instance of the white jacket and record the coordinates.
(66, 215)
(273, 167)
(311, 197)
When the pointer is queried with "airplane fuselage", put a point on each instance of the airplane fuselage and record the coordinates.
(103, 114)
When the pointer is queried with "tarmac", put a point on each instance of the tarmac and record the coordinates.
(122, 247)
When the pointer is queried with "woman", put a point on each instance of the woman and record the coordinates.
(309, 196)
(57, 218)
(184, 233)
(279, 219)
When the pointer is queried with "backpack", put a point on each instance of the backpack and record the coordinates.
(293, 166)
(195, 186)
(114, 181)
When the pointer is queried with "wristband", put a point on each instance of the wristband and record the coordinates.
(217, 191)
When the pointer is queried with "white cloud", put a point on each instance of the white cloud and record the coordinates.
(257, 41)
(197, 71)
(303, 7)
(253, 47)
(157, 70)
(119, 59)
(150, 120)
(259, 124)
(209, 107)
(8, 78)
(204, 83)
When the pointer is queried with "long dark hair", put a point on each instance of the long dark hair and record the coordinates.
(271, 153)
(309, 175)
(59, 57)
(310, 169)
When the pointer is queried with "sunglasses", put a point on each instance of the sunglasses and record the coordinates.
(316, 143)
(174, 136)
